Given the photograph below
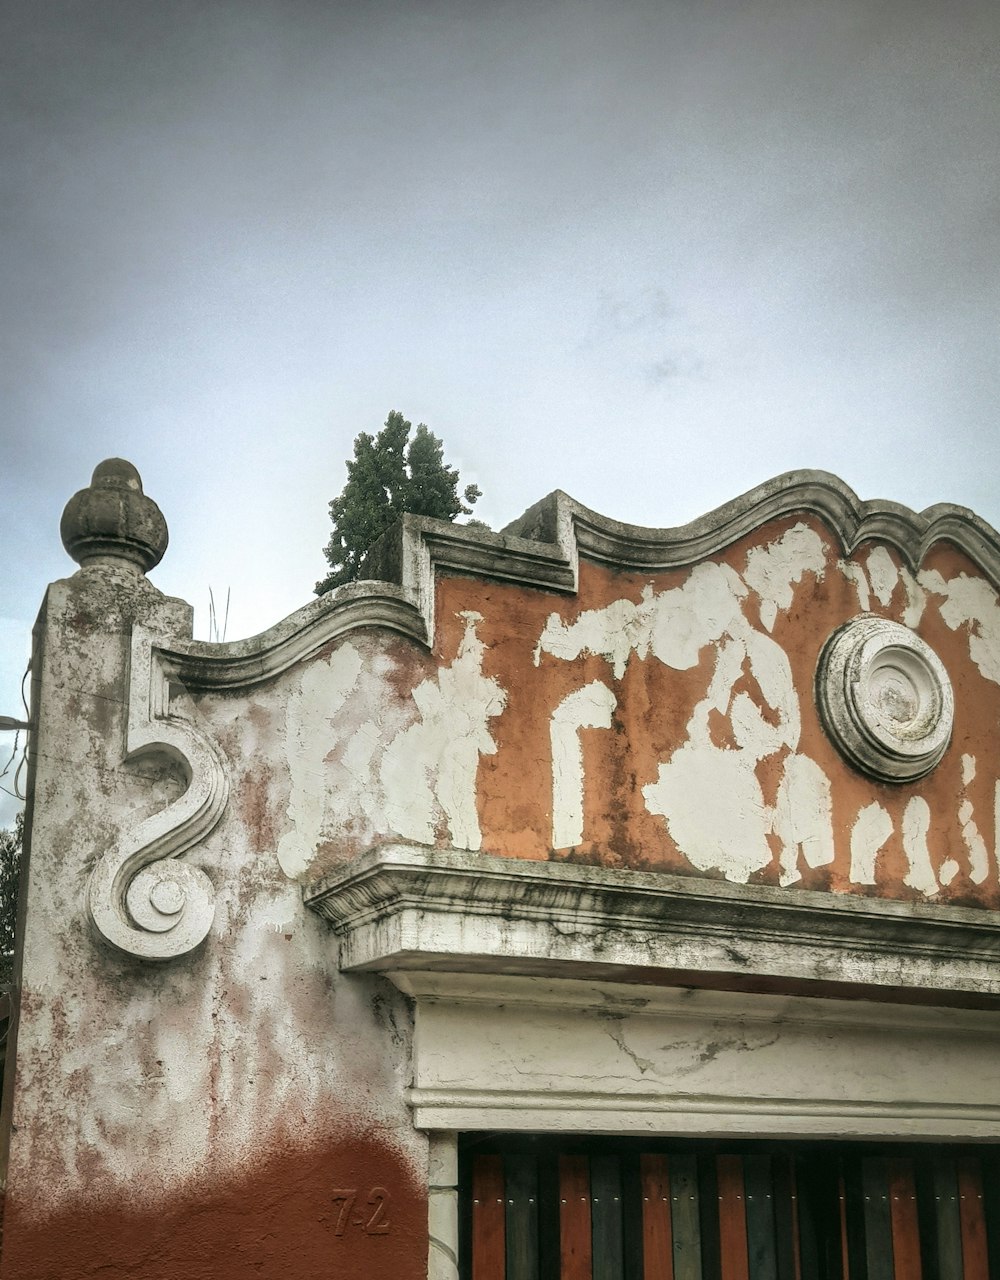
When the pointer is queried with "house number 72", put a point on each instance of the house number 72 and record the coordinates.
(371, 1218)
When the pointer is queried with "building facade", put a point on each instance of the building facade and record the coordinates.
(578, 902)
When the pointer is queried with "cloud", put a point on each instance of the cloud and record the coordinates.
(681, 364)
(628, 314)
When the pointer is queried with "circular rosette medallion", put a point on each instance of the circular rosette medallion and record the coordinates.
(885, 699)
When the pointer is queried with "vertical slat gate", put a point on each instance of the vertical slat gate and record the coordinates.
(598, 1212)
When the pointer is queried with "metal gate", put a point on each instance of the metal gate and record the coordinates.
(540, 1209)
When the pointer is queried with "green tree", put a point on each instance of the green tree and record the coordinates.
(391, 473)
(11, 844)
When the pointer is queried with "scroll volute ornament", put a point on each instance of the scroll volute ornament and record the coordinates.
(884, 699)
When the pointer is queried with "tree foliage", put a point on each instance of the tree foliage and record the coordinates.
(391, 473)
(11, 844)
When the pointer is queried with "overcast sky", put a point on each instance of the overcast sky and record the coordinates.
(651, 252)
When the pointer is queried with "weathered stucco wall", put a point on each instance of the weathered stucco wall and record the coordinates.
(658, 721)
(199, 1089)
(237, 1113)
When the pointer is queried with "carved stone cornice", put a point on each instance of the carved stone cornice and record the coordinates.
(199, 664)
(403, 906)
(560, 519)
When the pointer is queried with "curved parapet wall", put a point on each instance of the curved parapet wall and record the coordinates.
(687, 733)
(561, 519)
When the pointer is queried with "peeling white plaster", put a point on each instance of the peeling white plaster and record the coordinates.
(968, 769)
(916, 824)
(673, 625)
(854, 574)
(803, 818)
(374, 715)
(729, 836)
(768, 664)
(970, 602)
(916, 599)
(587, 708)
(429, 770)
(714, 809)
(979, 858)
(732, 837)
(772, 571)
(614, 632)
(872, 828)
(882, 574)
(322, 690)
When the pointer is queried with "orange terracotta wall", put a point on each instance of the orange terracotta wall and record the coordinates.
(332, 1211)
(541, 649)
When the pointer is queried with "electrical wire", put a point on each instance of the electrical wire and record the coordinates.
(17, 793)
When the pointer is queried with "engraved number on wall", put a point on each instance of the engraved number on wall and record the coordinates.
(369, 1216)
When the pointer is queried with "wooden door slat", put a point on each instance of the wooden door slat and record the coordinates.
(708, 1218)
(972, 1220)
(632, 1215)
(488, 1218)
(574, 1218)
(606, 1218)
(808, 1227)
(878, 1218)
(759, 1189)
(991, 1207)
(521, 1187)
(949, 1225)
(549, 1244)
(735, 1264)
(657, 1235)
(786, 1225)
(684, 1212)
(905, 1220)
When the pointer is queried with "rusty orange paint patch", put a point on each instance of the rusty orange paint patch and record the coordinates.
(333, 1211)
(654, 704)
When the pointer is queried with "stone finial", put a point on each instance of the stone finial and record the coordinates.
(113, 522)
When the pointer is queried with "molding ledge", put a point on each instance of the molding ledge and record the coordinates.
(704, 1116)
(544, 1055)
(560, 519)
(409, 907)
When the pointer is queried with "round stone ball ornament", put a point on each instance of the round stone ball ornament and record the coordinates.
(885, 699)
